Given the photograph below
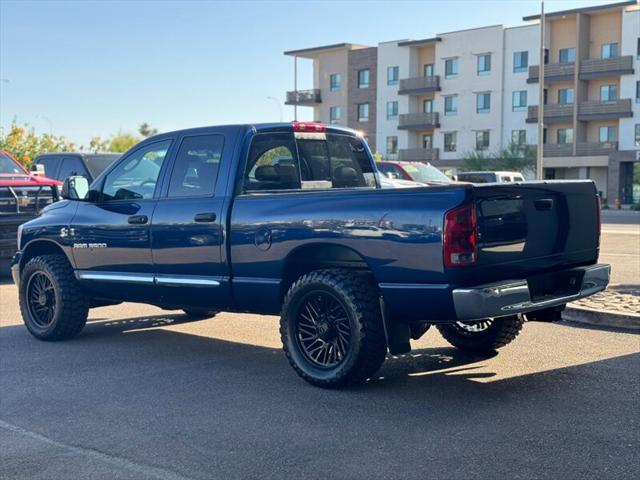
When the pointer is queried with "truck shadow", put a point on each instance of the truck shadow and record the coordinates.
(215, 404)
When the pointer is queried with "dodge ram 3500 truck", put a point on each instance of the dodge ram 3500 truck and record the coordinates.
(290, 219)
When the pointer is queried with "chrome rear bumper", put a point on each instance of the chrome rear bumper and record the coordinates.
(513, 296)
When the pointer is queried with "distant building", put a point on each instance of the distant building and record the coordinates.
(438, 98)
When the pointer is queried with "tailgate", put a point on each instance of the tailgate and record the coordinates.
(530, 228)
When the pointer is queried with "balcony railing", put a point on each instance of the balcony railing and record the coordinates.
(597, 109)
(417, 121)
(303, 97)
(558, 150)
(417, 85)
(586, 149)
(553, 113)
(605, 67)
(553, 72)
(418, 154)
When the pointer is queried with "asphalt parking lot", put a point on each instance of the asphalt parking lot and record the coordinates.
(143, 394)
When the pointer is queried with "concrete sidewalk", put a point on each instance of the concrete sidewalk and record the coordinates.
(618, 306)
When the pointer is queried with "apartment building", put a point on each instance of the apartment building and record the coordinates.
(441, 98)
(344, 86)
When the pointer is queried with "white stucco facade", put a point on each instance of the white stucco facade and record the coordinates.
(630, 35)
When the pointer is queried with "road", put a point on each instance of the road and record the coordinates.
(144, 394)
(141, 394)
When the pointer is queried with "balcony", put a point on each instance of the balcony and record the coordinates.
(418, 154)
(557, 150)
(599, 110)
(418, 85)
(553, 113)
(304, 97)
(553, 72)
(419, 121)
(588, 149)
(605, 67)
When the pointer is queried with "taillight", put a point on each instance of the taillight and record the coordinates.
(309, 127)
(460, 237)
(598, 221)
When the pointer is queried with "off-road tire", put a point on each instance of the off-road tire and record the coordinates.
(197, 313)
(357, 294)
(71, 305)
(501, 332)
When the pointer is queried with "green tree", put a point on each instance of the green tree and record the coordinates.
(146, 131)
(121, 142)
(514, 157)
(25, 144)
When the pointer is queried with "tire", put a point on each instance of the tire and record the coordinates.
(198, 313)
(483, 336)
(347, 320)
(52, 303)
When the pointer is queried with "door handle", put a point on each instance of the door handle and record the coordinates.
(544, 204)
(138, 219)
(205, 217)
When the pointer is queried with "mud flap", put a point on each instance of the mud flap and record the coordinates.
(396, 333)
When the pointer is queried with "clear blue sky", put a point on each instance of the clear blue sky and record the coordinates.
(93, 68)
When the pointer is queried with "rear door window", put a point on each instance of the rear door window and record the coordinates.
(72, 166)
(195, 170)
(272, 163)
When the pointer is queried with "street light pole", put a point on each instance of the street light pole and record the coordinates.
(295, 88)
(540, 152)
(279, 106)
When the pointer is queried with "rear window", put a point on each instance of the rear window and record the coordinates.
(99, 163)
(50, 164)
(279, 161)
(477, 177)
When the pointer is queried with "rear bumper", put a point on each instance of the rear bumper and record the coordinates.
(511, 297)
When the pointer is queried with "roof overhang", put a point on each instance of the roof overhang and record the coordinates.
(594, 9)
(420, 43)
(315, 51)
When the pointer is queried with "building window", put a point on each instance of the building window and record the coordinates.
(608, 93)
(450, 141)
(427, 105)
(335, 113)
(638, 92)
(427, 141)
(335, 82)
(392, 110)
(393, 74)
(637, 134)
(451, 68)
(520, 61)
(483, 102)
(638, 49)
(392, 145)
(519, 137)
(519, 101)
(363, 112)
(428, 70)
(363, 78)
(451, 105)
(484, 64)
(609, 50)
(482, 140)
(567, 55)
(607, 134)
(565, 96)
(565, 135)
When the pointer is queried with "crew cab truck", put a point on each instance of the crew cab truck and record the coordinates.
(290, 219)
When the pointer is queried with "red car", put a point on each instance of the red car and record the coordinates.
(22, 196)
(415, 171)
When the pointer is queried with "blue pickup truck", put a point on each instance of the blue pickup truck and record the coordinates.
(291, 219)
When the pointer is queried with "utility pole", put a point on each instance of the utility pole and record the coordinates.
(540, 152)
(295, 88)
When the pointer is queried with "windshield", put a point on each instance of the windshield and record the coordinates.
(8, 166)
(477, 177)
(421, 172)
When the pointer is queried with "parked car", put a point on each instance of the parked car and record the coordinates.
(22, 197)
(414, 171)
(490, 177)
(214, 219)
(62, 165)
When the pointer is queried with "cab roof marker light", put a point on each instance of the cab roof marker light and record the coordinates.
(309, 127)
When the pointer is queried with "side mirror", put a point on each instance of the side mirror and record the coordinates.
(75, 188)
(38, 169)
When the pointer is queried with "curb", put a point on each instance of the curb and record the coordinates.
(602, 318)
